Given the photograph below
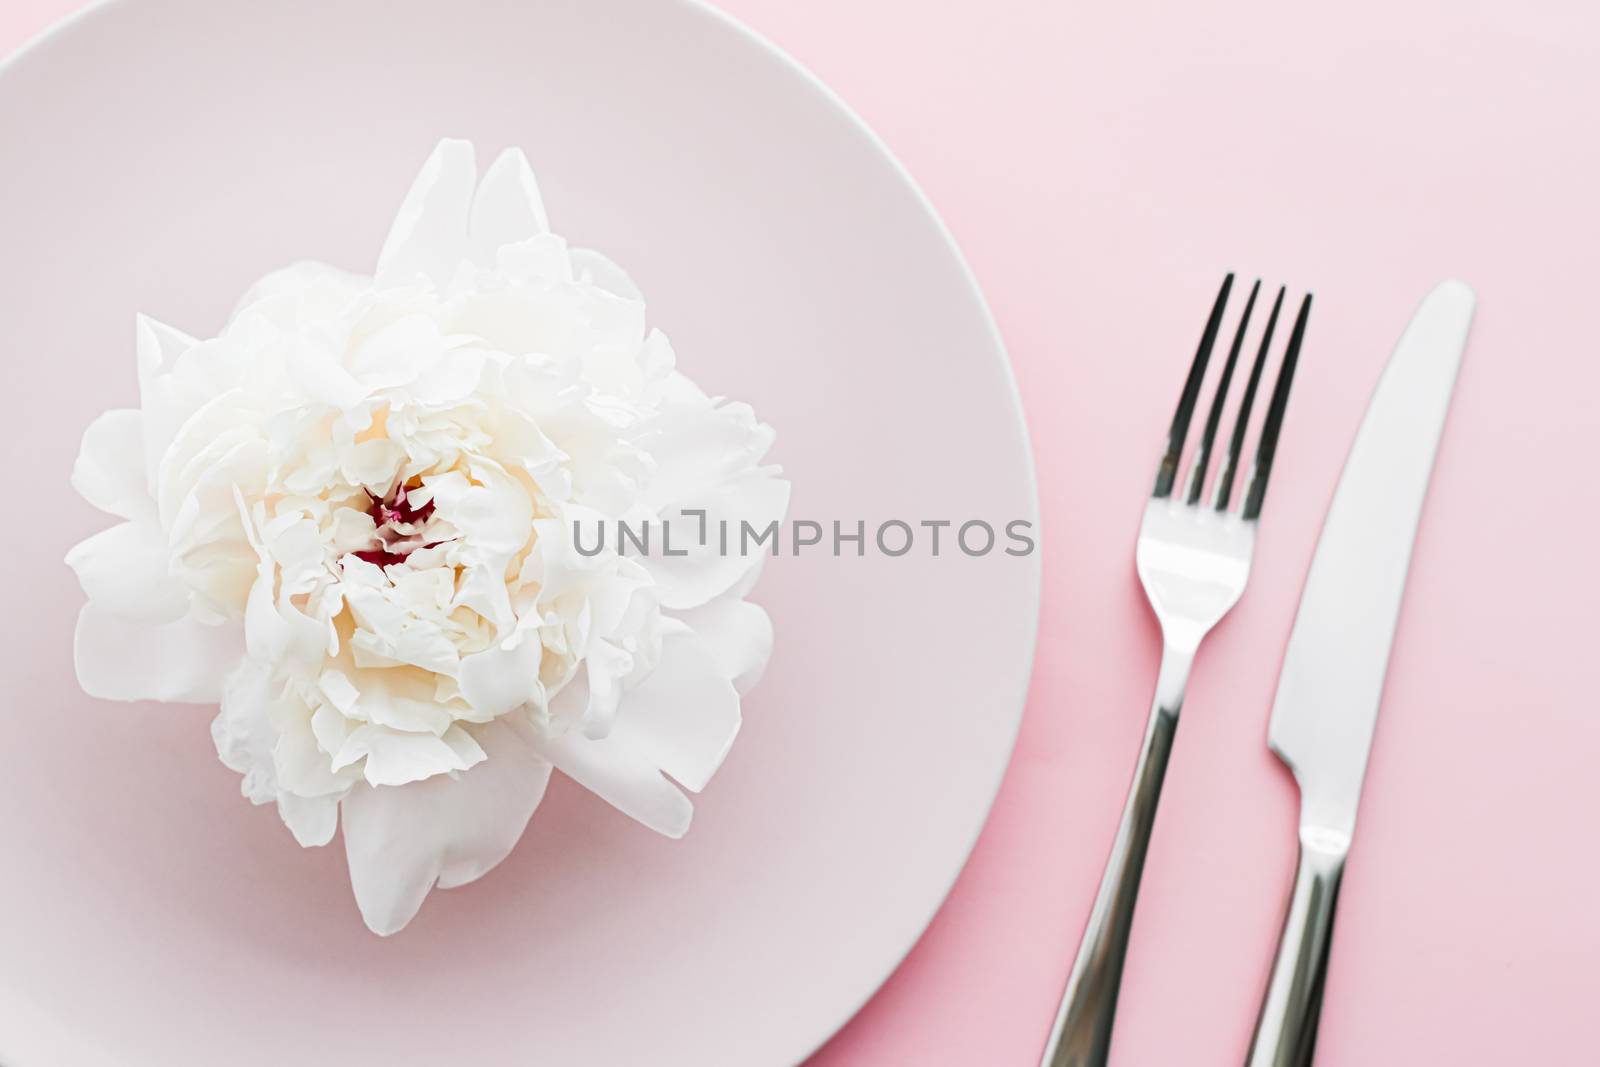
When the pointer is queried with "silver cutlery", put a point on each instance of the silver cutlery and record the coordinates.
(1193, 558)
(1333, 671)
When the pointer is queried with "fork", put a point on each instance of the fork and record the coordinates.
(1193, 560)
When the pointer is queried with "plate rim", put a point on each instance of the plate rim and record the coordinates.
(834, 102)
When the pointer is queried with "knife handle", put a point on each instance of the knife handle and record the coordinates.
(1286, 1031)
(1081, 1036)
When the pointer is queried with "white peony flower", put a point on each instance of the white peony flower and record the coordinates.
(350, 520)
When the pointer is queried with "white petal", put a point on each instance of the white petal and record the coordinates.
(622, 772)
(400, 840)
(373, 464)
(429, 236)
(329, 727)
(300, 293)
(396, 352)
(757, 502)
(110, 469)
(699, 448)
(243, 731)
(402, 699)
(708, 459)
(604, 668)
(597, 269)
(183, 661)
(451, 377)
(389, 633)
(211, 553)
(541, 258)
(398, 757)
(508, 208)
(159, 346)
(275, 630)
(685, 715)
(504, 677)
(492, 511)
(556, 564)
(320, 380)
(265, 731)
(218, 431)
(299, 762)
(738, 635)
(124, 571)
(495, 518)
(681, 720)
(164, 406)
(312, 820)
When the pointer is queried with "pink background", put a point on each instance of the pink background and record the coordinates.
(1102, 165)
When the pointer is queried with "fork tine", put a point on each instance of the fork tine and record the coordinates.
(1230, 465)
(1208, 436)
(1268, 446)
(1167, 473)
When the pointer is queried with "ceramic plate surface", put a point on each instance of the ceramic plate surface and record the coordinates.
(157, 156)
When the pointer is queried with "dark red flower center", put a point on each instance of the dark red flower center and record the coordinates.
(399, 534)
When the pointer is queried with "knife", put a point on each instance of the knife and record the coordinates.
(1333, 670)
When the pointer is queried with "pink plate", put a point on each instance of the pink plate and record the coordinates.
(159, 155)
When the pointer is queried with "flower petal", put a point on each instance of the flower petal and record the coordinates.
(505, 676)
(599, 685)
(721, 505)
(160, 346)
(622, 772)
(124, 571)
(508, 208)
(681, 720)
(183, 661)
(746, 512)
(685, 715)
(394, 354)
(312, 820)
(429, 236)
(399, 757)
(243, 731)
(737, 634)
(110, 469)
(299, 762)
(699, 448)
(275, 629)
(163, 406)
(401, 840)
(599, 270)
(495, 518)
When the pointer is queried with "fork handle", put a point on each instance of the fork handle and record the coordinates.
(1286, 1031)
(1081, 1036)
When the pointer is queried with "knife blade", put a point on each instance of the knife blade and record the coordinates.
(1333, 670)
